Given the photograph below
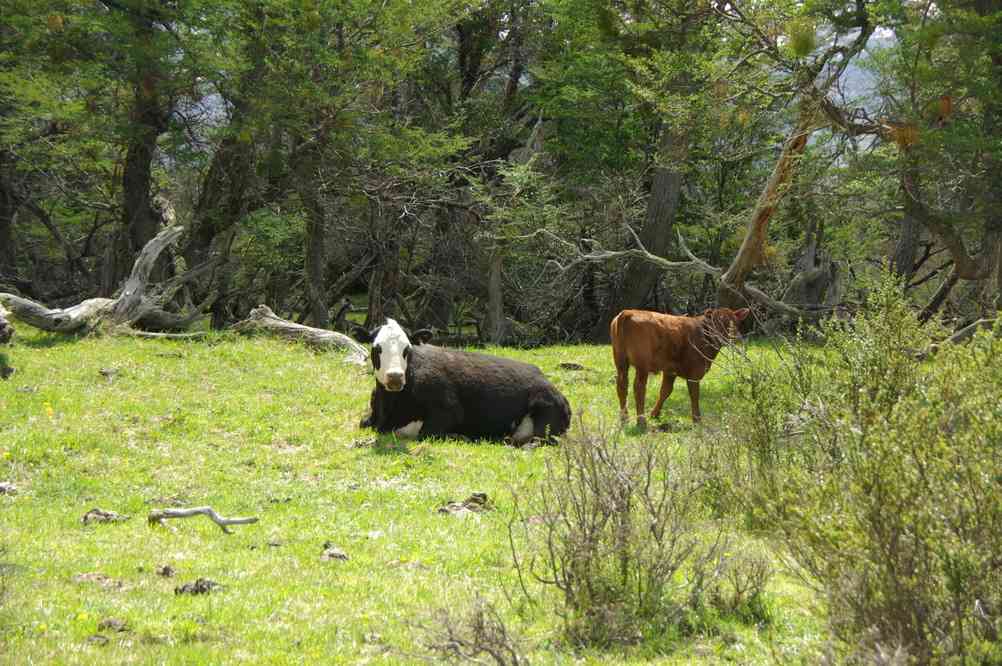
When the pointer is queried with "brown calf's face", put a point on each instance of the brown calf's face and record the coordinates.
(725, 322)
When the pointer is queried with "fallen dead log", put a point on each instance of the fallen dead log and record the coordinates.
(964, 334)
(969, 330)
(263, 320)
(160, 515)
(131, 305)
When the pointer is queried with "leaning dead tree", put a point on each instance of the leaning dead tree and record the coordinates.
(814, 81)
(135, 303)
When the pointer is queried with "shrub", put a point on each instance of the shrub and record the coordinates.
(882, 476)
(618, 529)
(477, 636)
(740, 592)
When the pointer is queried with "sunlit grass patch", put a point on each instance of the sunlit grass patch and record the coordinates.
(259, 427)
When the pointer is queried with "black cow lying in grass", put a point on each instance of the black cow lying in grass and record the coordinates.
(424, 391)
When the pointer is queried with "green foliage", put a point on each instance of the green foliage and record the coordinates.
(801, 35)
(880, 474)
(269, 241)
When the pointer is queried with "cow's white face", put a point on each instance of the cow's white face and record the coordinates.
(391, 350)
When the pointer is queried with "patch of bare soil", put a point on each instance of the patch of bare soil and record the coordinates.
(113, 624)
(475, 503)
(96, 515)
(101, 579)
(200, 586)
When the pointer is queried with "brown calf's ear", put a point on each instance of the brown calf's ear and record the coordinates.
(741, 314)
(422, 337)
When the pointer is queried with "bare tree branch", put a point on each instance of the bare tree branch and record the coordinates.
(157, 517)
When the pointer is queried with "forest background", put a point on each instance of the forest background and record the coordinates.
(527, 167)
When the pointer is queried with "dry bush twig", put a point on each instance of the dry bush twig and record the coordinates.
(479, 636)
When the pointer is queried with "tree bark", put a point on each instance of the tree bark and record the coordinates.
(656, 235)
(140, 220)
(315, 250)
(9, 204)
(751, 253)
(906, 249)
(495, 324)
(375, 314)
(990, 291)
(936, 302)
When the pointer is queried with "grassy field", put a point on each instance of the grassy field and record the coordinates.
(262, 428)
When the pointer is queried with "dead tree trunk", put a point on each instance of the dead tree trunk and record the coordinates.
(131, 305)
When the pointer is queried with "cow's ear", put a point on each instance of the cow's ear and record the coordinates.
(422, 337)
(362, 335)
(741, 314)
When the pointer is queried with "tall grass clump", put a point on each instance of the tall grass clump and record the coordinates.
(881, 474)
(617, 529)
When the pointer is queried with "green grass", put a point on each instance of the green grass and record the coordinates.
(259, 427)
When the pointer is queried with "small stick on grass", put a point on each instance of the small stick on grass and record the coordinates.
(158, 516)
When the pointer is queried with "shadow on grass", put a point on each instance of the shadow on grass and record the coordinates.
(50, 340)
(390, 445)
(669, 424)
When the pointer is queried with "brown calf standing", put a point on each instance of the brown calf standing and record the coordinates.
(677, 346)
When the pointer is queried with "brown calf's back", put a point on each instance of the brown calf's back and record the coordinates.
(653, 342)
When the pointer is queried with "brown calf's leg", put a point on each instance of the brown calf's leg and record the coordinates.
(623, 389)
(694, 399)
(667, 383)
(640, 394)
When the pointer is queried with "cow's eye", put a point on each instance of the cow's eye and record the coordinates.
(407, 352)
(375, 356)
